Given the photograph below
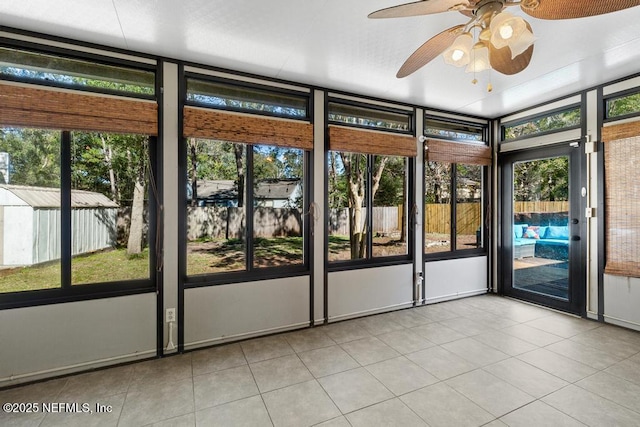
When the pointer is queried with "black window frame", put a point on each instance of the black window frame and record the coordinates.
(307, 96)
(548, 113)
(454, 252)
(68, 292)
(81, 56)
(618, 95)
(250, 273)
(371, 261)
(484, 129)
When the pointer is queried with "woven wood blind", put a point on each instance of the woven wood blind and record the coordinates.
(244, 128)
(371, 142)
(457, 152)
(56, 109)
(622, 199)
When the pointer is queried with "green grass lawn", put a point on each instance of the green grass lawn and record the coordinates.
(107, 266)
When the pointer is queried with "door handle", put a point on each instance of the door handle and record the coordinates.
(575, 238)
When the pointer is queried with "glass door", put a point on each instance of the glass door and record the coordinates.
(542, 259)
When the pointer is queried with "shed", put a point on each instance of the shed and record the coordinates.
(30, 220)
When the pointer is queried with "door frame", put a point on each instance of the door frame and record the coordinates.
(577, 253)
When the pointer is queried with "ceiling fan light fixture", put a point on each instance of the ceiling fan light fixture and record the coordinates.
(459, 53)
(521, 43)
(505, 28)
(480, 59)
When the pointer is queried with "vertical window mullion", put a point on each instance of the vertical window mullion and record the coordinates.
(65, 210)
(369, 203)
(454, 203)
(249, 208)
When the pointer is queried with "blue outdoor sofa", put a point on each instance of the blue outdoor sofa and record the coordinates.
(550, 242)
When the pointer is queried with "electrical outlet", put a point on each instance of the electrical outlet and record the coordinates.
(170, 315)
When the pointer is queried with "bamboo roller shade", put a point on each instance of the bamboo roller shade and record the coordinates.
(458, 152)
(244, 128)
(56, 109)
(622, 199)
(371, 142)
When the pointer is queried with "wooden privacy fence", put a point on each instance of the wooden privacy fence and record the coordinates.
(438, 218)
(562, 206)
(386, 220)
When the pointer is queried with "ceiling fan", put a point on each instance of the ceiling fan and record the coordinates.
(502, 41)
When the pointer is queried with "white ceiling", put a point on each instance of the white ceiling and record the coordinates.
(332, 44)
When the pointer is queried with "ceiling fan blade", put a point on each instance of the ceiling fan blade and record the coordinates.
(424, 7)
(501, 61)
(429, 50)
(570, 9)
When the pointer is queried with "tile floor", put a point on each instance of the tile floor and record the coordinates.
(478, 361)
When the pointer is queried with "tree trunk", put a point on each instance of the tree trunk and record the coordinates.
(193, 154)
(108, 158)
(238, 149)
(134, 244)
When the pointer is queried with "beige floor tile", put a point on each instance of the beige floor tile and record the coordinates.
(249, 412)
(441, 406)
(259, 349)
(309, 339)
(400, 375)
(525, 377)
(111, 407)
(157, 402)
(609, 339)
(327, 361)
(159, 371)
(437, 333)
(616, 389)
(539, 414)
(355, 389)
(596, 358)
(475, 352)
(217, 359)
(532, 335)
(97, 384)
(466, 327)
(369, 350)
(346, 331)
(628, 369)
(389, 413)
(506, 343)
(590, 408)
(377, 325)
(489, 392)
(47, 391)
(408, 318)
(188, 420)
(563, 325)
(281, 372)
(302, 404)
(555, 364)
(405, 341)
(441, 363)
(436, 312)
(340, 421)
(225, 386)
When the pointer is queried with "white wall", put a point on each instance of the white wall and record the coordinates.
(622, 301)
(455, 278)
(45, 341)
(215, 314)
(359, 292)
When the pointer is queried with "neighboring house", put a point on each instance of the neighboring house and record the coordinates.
(30, 220)
(270, 193)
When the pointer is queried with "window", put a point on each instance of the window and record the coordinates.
(551, 122)
(623, 105)
(54, 70)
(341, 112)
(218, 239)
(368, 175)
(456, 131)
(74, 205)
(244, 97)
(455, 176)
(246, 189)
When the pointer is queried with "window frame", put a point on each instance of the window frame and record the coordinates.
(534, 117)
(247, 85)
(454, 252)
(617, 95)
(81, 56)
(351, 103)
(68, 292)
(483, 127)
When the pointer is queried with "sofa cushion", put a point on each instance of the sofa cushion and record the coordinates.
(531, 232)
(557, 232)
(518, 230)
